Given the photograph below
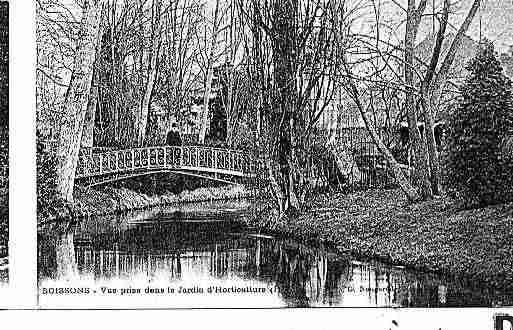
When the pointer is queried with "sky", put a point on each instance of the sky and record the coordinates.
(497, 23)
(496, 17)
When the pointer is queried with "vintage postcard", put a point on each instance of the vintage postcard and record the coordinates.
(274, 153)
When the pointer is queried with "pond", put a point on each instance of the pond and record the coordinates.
(202, 255)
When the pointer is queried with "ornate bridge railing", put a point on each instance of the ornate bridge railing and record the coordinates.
(212, 162)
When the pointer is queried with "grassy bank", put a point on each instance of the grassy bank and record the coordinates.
(433, 235)
(95, 202)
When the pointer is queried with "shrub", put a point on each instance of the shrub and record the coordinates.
(46, 161)
(477, 169)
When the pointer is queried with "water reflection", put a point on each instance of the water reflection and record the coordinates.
(185, 244)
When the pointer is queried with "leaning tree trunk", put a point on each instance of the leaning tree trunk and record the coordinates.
(345, 161)
(432, 92)
(88, 133)
(76, 100)
(395, 167)
(428, 104)
(90, 117)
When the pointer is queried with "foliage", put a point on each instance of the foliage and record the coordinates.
(477, 169)
(46, 161)
(112, 200)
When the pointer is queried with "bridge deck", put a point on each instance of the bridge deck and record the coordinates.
(203, 161)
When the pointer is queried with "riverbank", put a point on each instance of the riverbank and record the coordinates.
(97, 202)
(432, 236)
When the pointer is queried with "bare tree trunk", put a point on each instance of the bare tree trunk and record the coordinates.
(395, 167)
(229, 106)
(236, 87)
(88, 133)
(90, 117)
(114, 75)
(205, 116)
(137, 112)
(76, 100)
(152, 74)
(283, 113)
(434, 161)
(432, 93)
(345, 161)
(231, 126)
(421, 164)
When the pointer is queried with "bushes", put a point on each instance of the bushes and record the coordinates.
(478, 170)
(46, 161)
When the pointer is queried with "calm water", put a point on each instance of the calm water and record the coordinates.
(205, 243)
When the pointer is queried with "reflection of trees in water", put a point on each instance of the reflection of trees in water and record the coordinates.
(56, 257)
(65, 256)
(305, 275)
(300, 272)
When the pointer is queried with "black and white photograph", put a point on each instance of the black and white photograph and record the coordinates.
(4, 142)
(273, 153)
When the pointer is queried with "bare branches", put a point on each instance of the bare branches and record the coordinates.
(449, 58)
(438, 47)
